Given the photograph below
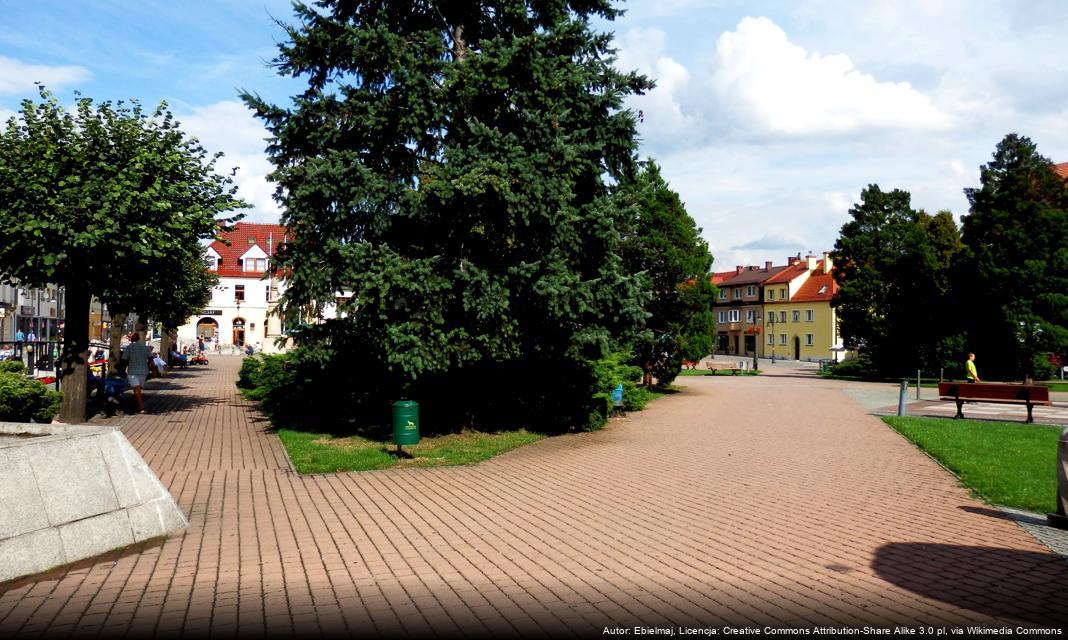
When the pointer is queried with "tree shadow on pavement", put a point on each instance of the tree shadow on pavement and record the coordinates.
(1007, 583)
(171, 403)
(1017, 515)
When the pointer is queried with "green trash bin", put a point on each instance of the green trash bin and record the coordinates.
(405, 422)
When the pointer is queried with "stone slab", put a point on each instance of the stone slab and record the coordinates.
(30, 553)
(73, 492)
(21, 507)
(93, 536)
(70, 479)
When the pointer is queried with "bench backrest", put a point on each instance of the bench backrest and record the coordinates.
(992, 391)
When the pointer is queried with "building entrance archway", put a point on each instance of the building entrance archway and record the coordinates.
(207, 329)
(239, 332)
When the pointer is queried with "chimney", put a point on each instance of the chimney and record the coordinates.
(810, 261)
(739, 269)
(752, 268)
(791, 261)
(767, 265)
(827, 263)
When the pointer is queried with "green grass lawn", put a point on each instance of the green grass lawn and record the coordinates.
(324, 453)
(1056, 386)
(1006, 463)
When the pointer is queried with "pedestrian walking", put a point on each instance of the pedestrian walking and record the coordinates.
(20, 336)
(136, 356)
(972, 375)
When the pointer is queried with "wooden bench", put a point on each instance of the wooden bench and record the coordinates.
(997, 393)
(724, 366)
(689, 364)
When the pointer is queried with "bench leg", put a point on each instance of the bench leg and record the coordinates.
(1030, 418)
(960, 409)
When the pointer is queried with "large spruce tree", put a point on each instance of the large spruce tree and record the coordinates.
(1015, 268)
(448, 169)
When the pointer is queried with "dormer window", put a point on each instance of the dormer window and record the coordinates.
(258, 265)
(209, 261)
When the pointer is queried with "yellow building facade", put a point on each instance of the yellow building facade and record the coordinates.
(799, 321)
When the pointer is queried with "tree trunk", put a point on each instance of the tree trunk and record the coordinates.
(72, 361)
(647, 375)
(118, 323)
(459, 44)
(167, 339)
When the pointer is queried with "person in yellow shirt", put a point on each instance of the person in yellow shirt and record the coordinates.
(972, 376)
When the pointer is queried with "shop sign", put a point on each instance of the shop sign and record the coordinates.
(26, 310)
(211, 312)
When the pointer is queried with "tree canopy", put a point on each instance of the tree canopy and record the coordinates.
(1015, 265)
(892, 267)
(662, 243)
(99, 200)
(448, 168)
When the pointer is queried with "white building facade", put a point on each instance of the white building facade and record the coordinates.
(240, 312)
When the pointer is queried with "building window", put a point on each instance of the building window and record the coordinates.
(808, 339)
(239, 293)
(210, 262)
(782, 338)
(750, 291)
(267, 293)
(735, 314)
(771, 338)
(797, 316)
(722, 294)
(750, 315)
(771, 294)
(782, 293)
(722, 317)
(737, 293)
(808, 315)
(256, 264)
(782, 316)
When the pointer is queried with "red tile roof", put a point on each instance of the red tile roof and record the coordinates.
(720, 276)
(810, 291)
(788, 273)
(1061, 169)
(244, 236)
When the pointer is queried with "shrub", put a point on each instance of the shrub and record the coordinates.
(614, 370)
(265, 377)
(1044, 369)
(12, 366)
(859, 367)
(25, 400)
(247, 376)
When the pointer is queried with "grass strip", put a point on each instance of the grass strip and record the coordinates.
(1006, 463)
(326, 453)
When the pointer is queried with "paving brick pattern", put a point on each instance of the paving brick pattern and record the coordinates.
(773, 500)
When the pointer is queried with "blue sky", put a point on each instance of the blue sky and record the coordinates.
(768, 119)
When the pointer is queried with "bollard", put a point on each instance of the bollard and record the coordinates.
(917, 384)
(1060, 518)
(902, 397)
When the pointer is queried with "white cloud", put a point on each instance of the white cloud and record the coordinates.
(230, 127)
(767, 85)
(18, 77)
(662, 111)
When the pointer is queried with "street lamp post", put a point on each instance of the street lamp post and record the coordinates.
(772, 314)
(756, 340)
